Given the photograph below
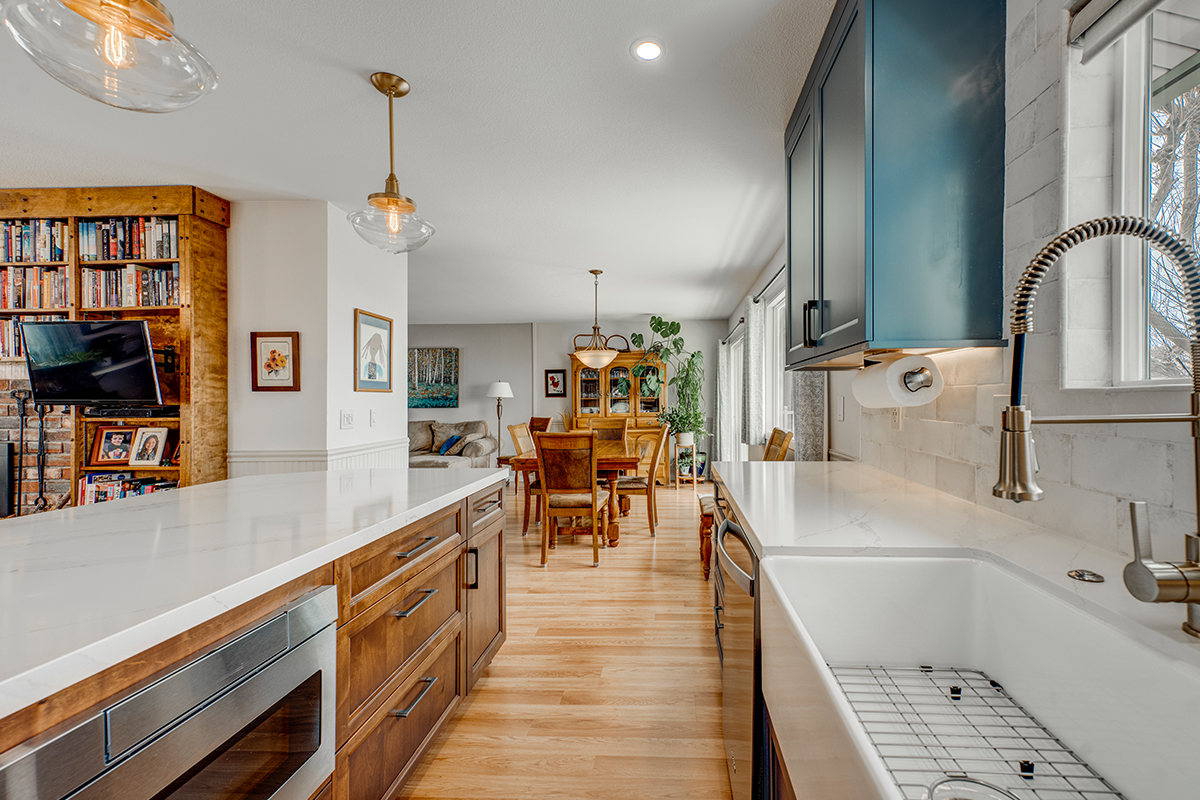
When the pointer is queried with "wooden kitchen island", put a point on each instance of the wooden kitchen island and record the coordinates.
(99, 599)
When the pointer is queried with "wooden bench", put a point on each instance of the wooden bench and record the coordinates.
(708, 507)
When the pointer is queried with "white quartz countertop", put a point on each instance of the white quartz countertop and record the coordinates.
(846, 508)
(85, 588)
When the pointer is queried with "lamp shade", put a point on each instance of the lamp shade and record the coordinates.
(596, 358)
(499, 389)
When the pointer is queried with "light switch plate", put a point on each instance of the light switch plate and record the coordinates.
(374, 418)
(841, 408)
(347, 419)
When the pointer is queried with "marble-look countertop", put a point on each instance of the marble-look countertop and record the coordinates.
(846, 508)
(85, 588)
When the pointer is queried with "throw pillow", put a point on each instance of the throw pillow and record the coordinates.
(463, 441)
(446, 445)
(444, 430)
(420, 435)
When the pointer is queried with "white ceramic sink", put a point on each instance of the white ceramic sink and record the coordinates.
(1130, 711)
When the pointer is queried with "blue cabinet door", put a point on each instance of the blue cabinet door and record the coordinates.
(802, 239)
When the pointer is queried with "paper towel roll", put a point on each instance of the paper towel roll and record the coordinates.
(882, 385)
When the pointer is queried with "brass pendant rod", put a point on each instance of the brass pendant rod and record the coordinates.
(391, 136)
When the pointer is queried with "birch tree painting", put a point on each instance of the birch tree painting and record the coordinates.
(433, 377)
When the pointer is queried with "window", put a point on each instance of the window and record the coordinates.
(776, 411)
(737, 371)
(1172, 190)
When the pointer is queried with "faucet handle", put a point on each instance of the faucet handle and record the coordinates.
(1139, 520)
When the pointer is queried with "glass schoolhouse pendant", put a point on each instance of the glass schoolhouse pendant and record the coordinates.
(123, 53)
(596, 353)
(391, 221)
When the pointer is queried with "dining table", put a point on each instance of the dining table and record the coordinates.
(613, 459)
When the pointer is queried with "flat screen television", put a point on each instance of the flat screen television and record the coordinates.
(100, 363)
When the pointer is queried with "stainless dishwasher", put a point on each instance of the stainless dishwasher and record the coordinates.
(738, 644)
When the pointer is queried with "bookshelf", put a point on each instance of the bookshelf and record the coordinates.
(156, 253)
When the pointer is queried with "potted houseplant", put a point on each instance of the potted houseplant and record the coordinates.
(686, 416)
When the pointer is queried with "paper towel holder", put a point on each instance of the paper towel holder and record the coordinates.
(918, 379)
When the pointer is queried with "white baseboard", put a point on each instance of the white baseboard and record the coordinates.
(392, 454)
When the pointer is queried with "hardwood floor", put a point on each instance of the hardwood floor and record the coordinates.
(608, 685)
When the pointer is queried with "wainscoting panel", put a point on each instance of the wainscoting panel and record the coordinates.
(376, 455)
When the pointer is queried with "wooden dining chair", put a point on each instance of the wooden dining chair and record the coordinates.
(567, 472)
(777, 445)
(539, 424)
(523, 442)
(610, 430)
(644, 486)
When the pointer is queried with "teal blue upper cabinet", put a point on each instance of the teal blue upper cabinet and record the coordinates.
(895, 171)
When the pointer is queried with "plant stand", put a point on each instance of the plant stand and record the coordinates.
(690, 476)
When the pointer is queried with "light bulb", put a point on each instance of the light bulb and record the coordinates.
(394, 225)
(116, 48)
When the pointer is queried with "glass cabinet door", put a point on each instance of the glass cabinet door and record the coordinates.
(620, 384)
(589, 391)
(650, 390)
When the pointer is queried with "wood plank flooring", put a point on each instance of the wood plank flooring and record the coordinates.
(608, 685)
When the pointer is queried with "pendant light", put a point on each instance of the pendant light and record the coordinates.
(596, 353)
(391, 221)
(121, 52)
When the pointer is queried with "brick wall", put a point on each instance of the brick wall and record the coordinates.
(58, 423)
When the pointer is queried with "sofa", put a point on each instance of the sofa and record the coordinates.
(426, 436)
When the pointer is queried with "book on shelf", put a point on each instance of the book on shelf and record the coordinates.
(33, 287)
(33, 240)
(11, 345)
(100, 487)
(130, 286)
(117, 238)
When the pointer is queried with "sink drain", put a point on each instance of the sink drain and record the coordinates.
(966, 789)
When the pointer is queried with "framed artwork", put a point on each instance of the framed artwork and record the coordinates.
(148, 446)
(556, 383)
(433, 377)
(372, 352)
(112, 445)
(275, 361)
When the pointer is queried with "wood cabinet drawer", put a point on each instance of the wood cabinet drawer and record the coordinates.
(486, 624)
(325, 792)
(379, 757)
(380, 644)
(368, 574)
(485, 508)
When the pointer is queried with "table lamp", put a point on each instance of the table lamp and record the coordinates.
(499, 390)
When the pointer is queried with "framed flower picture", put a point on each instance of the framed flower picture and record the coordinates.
(275, 361)
(372, 352)
(556, 383)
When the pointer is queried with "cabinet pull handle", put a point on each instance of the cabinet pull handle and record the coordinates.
(408, 553)
(404, 712)
(474, 551)
(408, 613)
(488, 507)
(809, 305)
(717, 618)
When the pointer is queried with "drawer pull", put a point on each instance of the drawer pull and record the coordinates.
(428, 594)
(408, 553)
(404, 712)
(488, 507)
(474, 551)
(717, 618)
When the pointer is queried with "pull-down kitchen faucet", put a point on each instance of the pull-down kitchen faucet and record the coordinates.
(1148, 580)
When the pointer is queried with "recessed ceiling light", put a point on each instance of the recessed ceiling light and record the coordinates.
(647, 50)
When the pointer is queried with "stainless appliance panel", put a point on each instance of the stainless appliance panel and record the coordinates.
(159, 763)
(159, 704)
(741, 700)
(54, 763)
(310, 613)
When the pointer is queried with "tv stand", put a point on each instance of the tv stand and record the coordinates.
(130, 412)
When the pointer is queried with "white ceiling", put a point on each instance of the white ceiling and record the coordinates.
(532, 140)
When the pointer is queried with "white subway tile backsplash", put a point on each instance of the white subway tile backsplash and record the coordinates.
(1183, 471)
(956, 478)
(1054, 455)
(1122, 467)
(1034, 169)
(957, 404)
(1168, 529)
(920, 467)
(935, 438)
(977, 445)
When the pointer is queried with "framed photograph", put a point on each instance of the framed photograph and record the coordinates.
(372, 352)
(148, 446)
(112, 445)
(556, 383)
(433, 377)
(275, 361)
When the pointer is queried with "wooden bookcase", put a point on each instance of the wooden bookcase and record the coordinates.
(196, 327)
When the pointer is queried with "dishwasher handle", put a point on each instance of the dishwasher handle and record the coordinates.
(728, 565)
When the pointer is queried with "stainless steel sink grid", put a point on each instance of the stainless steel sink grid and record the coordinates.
(924, 734)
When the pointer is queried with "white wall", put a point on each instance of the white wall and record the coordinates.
(486, 353)
(298, 265)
